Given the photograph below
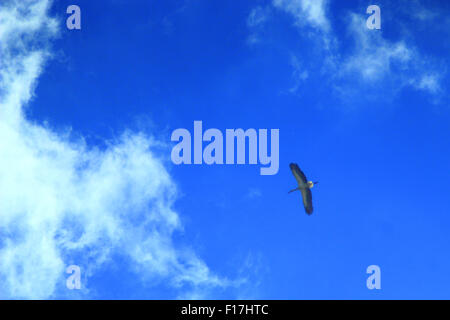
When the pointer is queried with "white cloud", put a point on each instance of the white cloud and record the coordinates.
(417, 10)
(371, 59)
(375, 59)
(299, 74)
(257, 16)
(306, 12)
(64, 202)
(255, 22)
(373, 56)
(428, 82)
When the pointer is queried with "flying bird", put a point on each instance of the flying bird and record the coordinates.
(304, 186)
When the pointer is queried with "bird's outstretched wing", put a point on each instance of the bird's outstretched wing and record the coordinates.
(298, 174)
(307, 200)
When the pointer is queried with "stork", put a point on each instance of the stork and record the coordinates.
(304, 186)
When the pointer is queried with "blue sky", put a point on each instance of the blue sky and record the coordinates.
(86, 176)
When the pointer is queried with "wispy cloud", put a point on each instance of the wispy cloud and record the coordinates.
(418, 11)
(373, 56)
(428, 82)
(299, 74)
(63, 201)
(256, 19)
(374, 59)
(257, 16)
(369, 57)
(306, 12)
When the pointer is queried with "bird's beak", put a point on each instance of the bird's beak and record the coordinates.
(316, 182)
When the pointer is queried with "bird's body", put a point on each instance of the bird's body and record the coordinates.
(304, 186)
